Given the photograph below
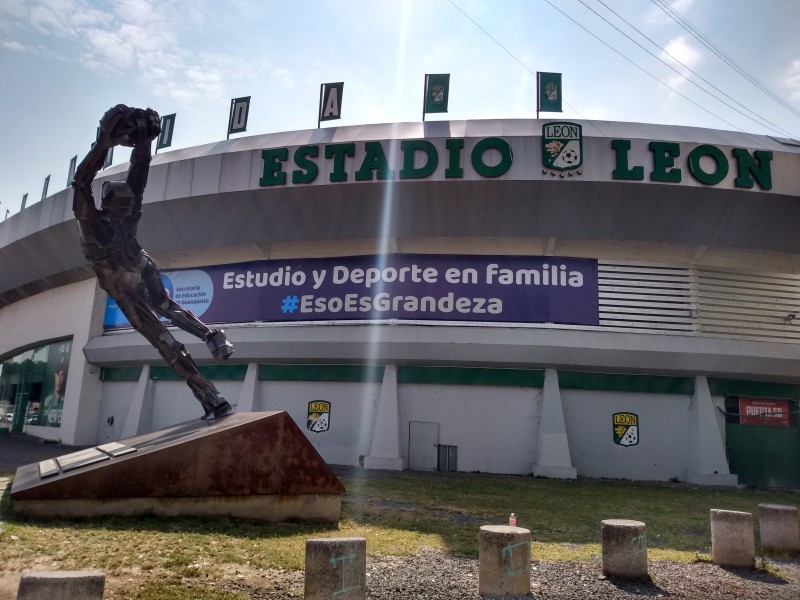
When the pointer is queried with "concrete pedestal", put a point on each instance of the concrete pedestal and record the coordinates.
(624, 545)
(336, 568)
(732, 539)
(504, 557)
(249, 465)
(779, 528)
(61, 585)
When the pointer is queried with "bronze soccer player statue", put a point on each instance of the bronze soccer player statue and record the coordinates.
(123, 268)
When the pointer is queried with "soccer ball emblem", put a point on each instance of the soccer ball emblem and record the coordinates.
(570, 156)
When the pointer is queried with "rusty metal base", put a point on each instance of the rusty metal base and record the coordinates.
(251, 465)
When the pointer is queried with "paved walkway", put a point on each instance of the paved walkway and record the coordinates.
(17, 449)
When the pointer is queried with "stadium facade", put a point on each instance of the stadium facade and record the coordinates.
(566, 299)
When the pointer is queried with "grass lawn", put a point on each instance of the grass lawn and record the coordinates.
(398, 514)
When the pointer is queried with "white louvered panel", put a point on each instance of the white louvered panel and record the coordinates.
(647, 327)
(646, 298)
(651, 302)
(756, 335)
(746, 298)
(743, 312)
(663, 287)
(752, 290)
(748, 305)
(678, 298)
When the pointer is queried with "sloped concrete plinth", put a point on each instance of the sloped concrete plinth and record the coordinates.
(253, 465)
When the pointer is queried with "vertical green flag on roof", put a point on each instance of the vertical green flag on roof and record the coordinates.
(549, 90)
(71, 175)
(167, 127)
(237, 121)
(437, 92)
(330, 101)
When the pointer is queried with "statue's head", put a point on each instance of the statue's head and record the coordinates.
(117, 200)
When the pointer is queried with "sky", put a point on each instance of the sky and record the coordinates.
(63, 63)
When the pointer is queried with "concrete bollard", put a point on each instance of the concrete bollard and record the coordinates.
(61, 585)
(504, 561)
(779, 529)
(624, 546)
(336, 568)
(732, 539)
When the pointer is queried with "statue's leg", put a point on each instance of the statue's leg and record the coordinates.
(146, 323)
(214, 338)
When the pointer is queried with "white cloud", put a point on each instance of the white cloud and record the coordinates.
(13, 9)
(145, 39)
(15, 46)
(682, 57)
(792, 81)
(65, 18)
(108, 48)
(657, 16)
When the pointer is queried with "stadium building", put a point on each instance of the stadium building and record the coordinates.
(566, 299)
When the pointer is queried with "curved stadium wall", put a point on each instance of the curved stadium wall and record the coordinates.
(515, 296)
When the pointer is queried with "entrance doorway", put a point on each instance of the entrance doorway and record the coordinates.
(423, 446)
(763, 441)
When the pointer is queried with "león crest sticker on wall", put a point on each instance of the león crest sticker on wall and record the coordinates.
(626, 429)
(562, 148)
(319, 416)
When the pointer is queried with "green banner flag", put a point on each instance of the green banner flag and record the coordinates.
(167, 127)
(549, 92)
(72, 165)
(237, 121)
(437, 92)
(330, 101)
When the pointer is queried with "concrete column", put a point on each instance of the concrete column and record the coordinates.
(336, 568)
(368, 411)
(624, 546)
(778, 526)
(732, 539)
(385, 450)
(247, 395)
(140, 410)
(504, 561)
(64, 585)
(84, 388)
(706, 462)
(552, 447)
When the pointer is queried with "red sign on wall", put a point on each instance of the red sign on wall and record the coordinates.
(762, 411)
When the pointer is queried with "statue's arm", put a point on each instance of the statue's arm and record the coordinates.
(141, 156)
(82, 198)
(140, 167)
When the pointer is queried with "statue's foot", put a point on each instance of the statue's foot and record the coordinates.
(223, 409)
(218, 344)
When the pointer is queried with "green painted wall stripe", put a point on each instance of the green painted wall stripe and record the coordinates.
(120, 374)
(468, 376)
(367, 373)
(216, 372)
(618, 382)
(753, 389)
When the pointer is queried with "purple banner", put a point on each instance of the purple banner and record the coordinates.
(420, 287)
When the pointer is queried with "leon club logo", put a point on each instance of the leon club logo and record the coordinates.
(562, 148)
(625, 426)
(319, 416)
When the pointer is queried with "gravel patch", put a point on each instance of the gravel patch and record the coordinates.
(434, 575)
